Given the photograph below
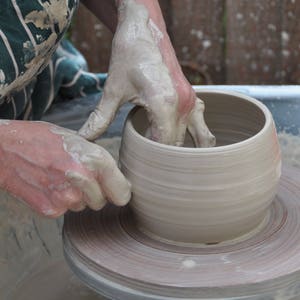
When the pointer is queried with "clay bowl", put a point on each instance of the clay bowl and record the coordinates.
(205, 195)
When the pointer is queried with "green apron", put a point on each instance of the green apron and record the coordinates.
(34, 66)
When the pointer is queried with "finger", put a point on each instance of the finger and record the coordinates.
(163, 121)
(64, 195)
(100, 118)
(163, 130)
(152, 132)
(93, 195)
(116, 187)
(198, 129)
(70, 198)
(181, 131)
(78, 207)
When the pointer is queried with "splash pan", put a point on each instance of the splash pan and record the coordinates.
(110, 255)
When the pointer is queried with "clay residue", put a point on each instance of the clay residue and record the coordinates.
(136, 51)
(80, 151)
(4, 122)
(78, 148)
(156, 33)
(107, 181)
(54, 12)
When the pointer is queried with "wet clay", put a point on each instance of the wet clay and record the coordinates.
(109, 253)
(202, 222)
(98, 160)
(205, 195)
(137, 32)
(140, 72)
(53, 277)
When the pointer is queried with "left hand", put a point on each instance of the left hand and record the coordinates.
(144, 70)
(54, 170)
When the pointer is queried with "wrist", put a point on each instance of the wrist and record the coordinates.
(129, 9)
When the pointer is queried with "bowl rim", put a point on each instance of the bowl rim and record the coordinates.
(268, 121)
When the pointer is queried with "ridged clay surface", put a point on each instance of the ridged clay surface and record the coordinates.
(111, 255)
(205, 195)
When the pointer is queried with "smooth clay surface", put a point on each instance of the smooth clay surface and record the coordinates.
(109, 253)
(205, 195)
(50, 272)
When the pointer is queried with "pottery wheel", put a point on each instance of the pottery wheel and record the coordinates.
(113, 257)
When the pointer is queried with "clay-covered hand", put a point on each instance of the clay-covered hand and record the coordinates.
(54, 170)
(144, 70)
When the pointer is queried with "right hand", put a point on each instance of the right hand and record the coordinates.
(144, 70)
(54, 170)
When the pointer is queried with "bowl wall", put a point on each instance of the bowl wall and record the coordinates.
(205, 195)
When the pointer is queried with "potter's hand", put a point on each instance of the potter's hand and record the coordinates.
(144, 71)
(53, 170)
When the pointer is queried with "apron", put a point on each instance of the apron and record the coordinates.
(33, 64)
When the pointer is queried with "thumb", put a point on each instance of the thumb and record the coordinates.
(100, 118)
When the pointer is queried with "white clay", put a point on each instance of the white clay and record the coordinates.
(204, 138)
(4, 122)
(156, 33)
(90, 188)
(138, 74)
(108, 178)
(189, 264)
(205, 195)
(144, 62)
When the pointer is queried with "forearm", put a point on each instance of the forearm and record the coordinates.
(154, 11)
(107, 11)
(156, 24)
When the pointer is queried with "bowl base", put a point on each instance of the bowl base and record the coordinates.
(110, 255)
(127, 220)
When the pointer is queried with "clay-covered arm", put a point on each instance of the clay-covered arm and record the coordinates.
(52, 169)
(144, 70)
(107, 11)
